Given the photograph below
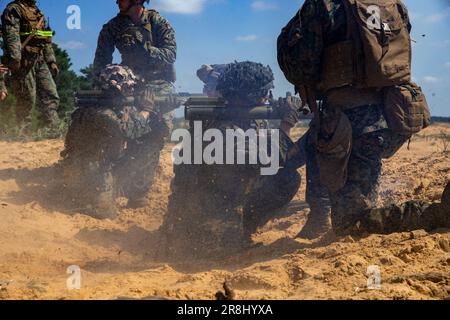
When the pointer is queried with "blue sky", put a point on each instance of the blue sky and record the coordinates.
(221, 31)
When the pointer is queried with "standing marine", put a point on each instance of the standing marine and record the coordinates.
(350, 60)
(29, 55)
(146, 42)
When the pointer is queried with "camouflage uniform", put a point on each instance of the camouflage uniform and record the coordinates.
(102, 140)
(31, 75)
(324, 22)
(317, 196)
(203, 195)
(149, 49)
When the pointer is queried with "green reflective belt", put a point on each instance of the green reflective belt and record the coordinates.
(39, 33)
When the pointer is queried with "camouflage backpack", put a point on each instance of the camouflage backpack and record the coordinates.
(375, 53)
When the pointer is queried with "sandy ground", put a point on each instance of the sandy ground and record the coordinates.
(41, 236)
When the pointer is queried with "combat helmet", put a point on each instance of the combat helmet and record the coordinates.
(118, 80)
(245, 83)
(132, 4)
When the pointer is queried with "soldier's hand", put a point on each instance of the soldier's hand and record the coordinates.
(3, 95)
(54, 69)
(145, 114)
(147, 101)
(3, 69)
(290, 109)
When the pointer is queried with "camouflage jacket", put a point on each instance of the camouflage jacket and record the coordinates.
(322, 23)
(15, 26)
(147, 47)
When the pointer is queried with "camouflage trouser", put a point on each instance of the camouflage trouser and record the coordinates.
(269, 193)
(209, 214)
(210, 205)
(317, 195)
(119, 148)
(135, 171)
(38, 82)
(371, 144)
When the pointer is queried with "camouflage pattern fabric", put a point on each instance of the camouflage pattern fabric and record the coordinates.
(149, 49)
(150, 55)
(118, 79)
(371, 144)
(236, 197)
(37, 84)
(323, 23)
(245, 83)
(115, 144)
(409, 216)
(30, 73)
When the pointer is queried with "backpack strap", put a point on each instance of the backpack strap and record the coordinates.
(354, 36)
(148, 26)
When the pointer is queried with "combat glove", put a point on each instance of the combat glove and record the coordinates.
(146, 101)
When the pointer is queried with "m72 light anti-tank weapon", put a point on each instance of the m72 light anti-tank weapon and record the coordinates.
(200, 108)
(197, 106)
(97, 98)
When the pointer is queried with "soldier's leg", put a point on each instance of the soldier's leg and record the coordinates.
(317, 197)
(24, 90)
(47, 94)
(350, 204)
(412, 215)
(99, 192)
(179, 212)
(272, 193)
(265, 195)
(136, 170)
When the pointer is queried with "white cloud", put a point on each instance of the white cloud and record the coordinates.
(441, 44)
(438, 16)
(180, 6)
(73, 45)
(247, 38)
(447, 64)
(263, 6)
(431, 79)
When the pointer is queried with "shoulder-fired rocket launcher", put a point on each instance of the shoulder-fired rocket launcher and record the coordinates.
(197, 106)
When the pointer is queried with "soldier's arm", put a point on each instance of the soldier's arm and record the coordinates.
(105, 49)
(11, 34)
(49, 54)
(164, 49)
(3, 90)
